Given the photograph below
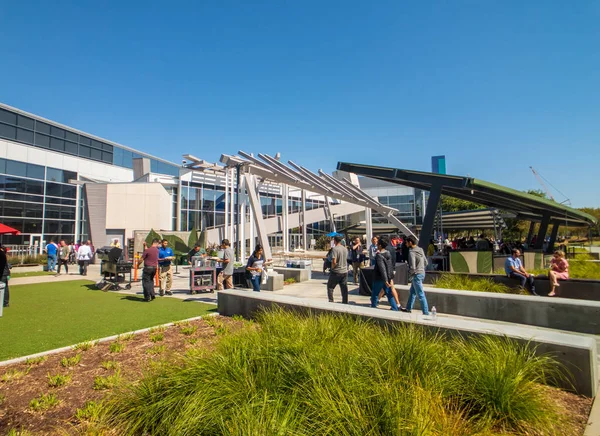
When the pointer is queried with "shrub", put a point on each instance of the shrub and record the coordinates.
(43, 402)
(21, 432)
(289, 281)
(157, 337)
(156, 349)
(116, 347)
(14, 374)
(188, 330)
(331, 374)
(462, 282)
(126, 337)
(108, 382)
(35, 360)
(83, 346)
(91, 412)
(110, 364)
(55, 381)
(67, 362)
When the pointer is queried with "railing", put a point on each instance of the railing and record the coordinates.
(22, 250)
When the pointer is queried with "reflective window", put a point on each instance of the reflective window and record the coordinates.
(127, 159)
(107, 157)
(25, 122)
(42, 140)
(85, 140)
(96, 154)
(55, 131)
(8, 117)
(3, 166)
(69, 191)
(74, 137)
(118, 156)
(96, 144)
(54, 174)
(35, 171)
(69, 175)
(85, 151)
(54, 189)
(7, 131)
(57, 144)
(71, 148)
(25, 136)
(16, 168)
(42, 127)
(107, 147)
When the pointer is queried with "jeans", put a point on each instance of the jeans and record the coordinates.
(377, 286)
(524, 280)
(255, 283)
(64, 262)
(51, 262)
(338, 279)
(83, 264)
(416, 290)
(6, 293)
(148, 282)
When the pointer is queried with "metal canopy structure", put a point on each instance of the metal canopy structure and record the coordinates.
(293, 175)
(480, 219)
(524, 206)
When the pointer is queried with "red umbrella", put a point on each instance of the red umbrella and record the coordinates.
(5, 230)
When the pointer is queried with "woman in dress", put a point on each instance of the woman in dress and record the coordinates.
(255, 267)
(559, 270)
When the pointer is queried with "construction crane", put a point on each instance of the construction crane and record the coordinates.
(541, 181)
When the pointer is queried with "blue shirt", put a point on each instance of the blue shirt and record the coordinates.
(51, 249)
(162, 253)
(515, 263)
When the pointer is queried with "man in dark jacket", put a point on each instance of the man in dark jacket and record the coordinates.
(383, 275)
(5, 272)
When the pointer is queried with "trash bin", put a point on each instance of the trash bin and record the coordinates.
(2, 286)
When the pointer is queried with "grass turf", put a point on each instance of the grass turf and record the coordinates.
(51, 315)
(16, 275)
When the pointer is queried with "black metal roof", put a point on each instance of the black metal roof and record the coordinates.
(525, 206)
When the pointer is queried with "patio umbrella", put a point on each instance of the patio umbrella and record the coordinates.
(332, 234)
(6, 230)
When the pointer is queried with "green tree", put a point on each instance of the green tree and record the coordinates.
(452, 204)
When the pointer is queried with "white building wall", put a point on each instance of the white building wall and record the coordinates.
(84, 167)
(138, 206)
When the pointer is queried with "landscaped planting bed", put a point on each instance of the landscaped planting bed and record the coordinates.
(292, 374)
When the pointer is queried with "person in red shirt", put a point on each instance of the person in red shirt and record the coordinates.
(150, 258)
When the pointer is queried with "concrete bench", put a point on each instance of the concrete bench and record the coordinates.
(298, 274)
(577, 352)
(556, 313)
(578, 289)
(274, 283)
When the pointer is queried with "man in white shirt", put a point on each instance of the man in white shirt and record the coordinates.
(84, 255)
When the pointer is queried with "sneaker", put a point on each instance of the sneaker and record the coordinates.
(169, 293)
(405, 310)
(161, 293)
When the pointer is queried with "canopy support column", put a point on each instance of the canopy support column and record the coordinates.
(530, 232)
(432, 206)
(303, 223)
(553, 235)
(257, 211)
(539, 243)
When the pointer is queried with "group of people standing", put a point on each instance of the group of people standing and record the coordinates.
(383, 261)
(63, 254)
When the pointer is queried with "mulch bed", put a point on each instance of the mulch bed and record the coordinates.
(139, 351)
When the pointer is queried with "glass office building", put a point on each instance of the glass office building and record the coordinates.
(44, 201)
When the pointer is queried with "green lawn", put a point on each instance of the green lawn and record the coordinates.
(16, 275)
(50, 315)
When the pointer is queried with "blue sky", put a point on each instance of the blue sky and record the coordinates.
(496, 86)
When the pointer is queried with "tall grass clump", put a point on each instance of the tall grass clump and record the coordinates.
(462, 282)
(331, 374)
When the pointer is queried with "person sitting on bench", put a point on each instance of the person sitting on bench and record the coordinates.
(514, 269)
(559, 270)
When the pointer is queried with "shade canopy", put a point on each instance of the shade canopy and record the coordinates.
(525, 206)
(6, 230)
(480, 219)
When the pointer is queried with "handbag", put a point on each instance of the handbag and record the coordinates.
(264, 277)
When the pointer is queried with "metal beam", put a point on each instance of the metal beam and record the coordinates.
(553, 235)
(539, 243)
(432, 206)
(258, 216)
(303, 222)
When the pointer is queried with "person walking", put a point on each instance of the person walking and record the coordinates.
(51, 250)
(150, 259)
(84, 254)
(513, 267)
(5, 272)
(355, 258)
(72, 253)
(373, 251)
(165, 256)
(417, 262)
(255, 267)
(92, 251)
(383, 275)
(227, 262)
(63, 257)
(338, 274)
